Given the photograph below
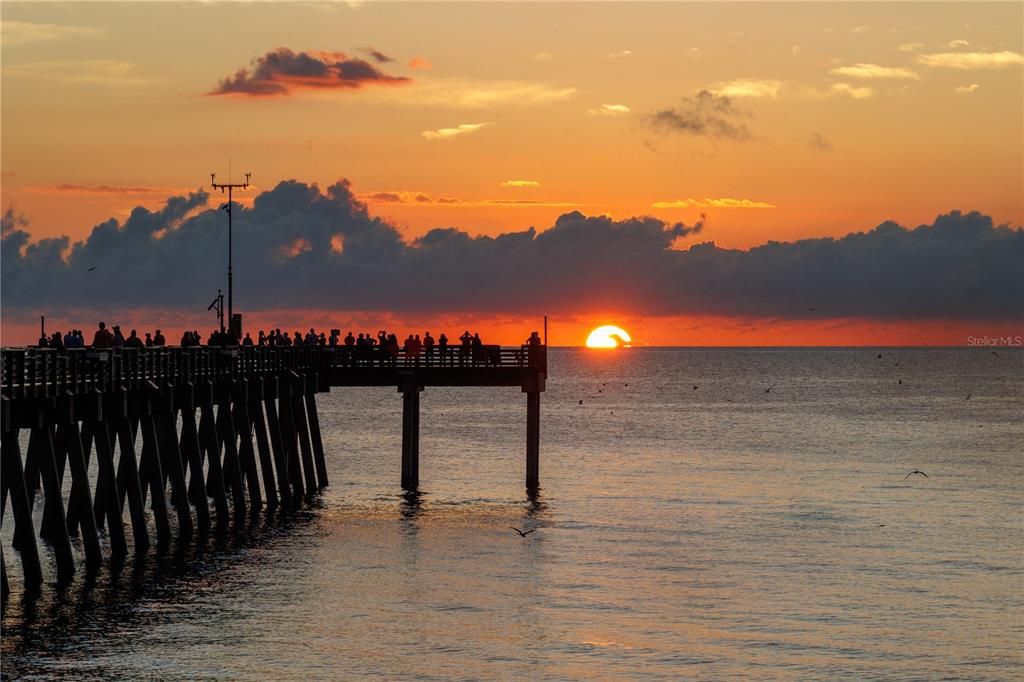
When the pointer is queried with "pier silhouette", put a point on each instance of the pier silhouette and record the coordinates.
(256, 443)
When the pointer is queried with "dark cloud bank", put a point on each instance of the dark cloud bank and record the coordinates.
(300, 247)
(280, 71)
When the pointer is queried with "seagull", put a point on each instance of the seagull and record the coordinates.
(811, 309)
(994, 353)
(879, 355)
(91, 269)
(769, 389)
(695, 387)
(968, 396)
(915, 471)
(522, 533)
(581, 402)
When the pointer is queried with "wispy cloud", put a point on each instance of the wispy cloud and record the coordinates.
(473, 94)
(107, 72)
(543, 57)
(420, 63)
(748, 87)
(848, 90)
(955, 44)
(705, 114)
(520, 183)
(16, 33)
(425, 200)
(910, 47)
(281, 71)
(874, 71)
(860, 29)
(966, 89)
(449, 133)
(820, 142)
(621, 54)
(377, 55)
(724, 202)
(971, 60)
(131, 190)
(796, 50)
(609, 110)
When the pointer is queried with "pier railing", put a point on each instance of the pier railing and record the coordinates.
(29, 373)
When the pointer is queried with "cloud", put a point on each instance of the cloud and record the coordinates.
(420, 63)
(705, 114)
(422, 199)
(106, 72)
(134, 190)
(473, 94)
(860, 29)
(694, 53)
(748, 87)
(520, 183)
(712, 203)
(376, 55)
(971, 60)
(960, 266)
(543, 57)
(874, 71)
(850, 91)
(15, 33)
(609, 110)
(621, 54)
(958, 44)
(449, 133)
(281, 71)
(819, 142)
(796, 50)
(910, 47)
(966, 89)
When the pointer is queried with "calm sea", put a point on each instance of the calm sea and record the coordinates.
(692, 524)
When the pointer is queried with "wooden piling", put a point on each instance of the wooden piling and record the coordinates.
(192, 453)
(318, 443)
(302, 430)
(14, 479)
(173, 467)
(280, 451)
(246, 455)
(232, 471)
(80, 498)
(532, 441)
(263, 447)
(107, 502)
(215, 476)
(128, 477)
(290, 439)
(154, 476)
(57, 534)
(410, 437)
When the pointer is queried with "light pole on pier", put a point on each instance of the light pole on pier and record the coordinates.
(229, 187)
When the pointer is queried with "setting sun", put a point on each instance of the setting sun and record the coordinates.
(608, 336)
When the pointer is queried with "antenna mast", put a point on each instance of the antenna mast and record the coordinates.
(229, 187)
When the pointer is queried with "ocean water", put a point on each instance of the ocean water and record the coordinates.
(717, 532)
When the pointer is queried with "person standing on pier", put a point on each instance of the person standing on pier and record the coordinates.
(442, 348)
(103, 337)
(133, 340)
(466, 339)
(56, 342)
(149, 340)
(428, 347)
(118, 340)
(158, 339)
(247, 341)
(478, 349)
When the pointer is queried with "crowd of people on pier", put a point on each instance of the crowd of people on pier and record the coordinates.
(363, 348)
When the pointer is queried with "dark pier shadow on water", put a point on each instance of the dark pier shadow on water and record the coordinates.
(42, 628)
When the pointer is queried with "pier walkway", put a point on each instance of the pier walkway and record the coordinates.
(79, 404)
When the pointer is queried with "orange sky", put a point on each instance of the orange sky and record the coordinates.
(505, 116)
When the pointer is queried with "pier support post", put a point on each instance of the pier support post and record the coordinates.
(318, 443)
(215, 476)
(302, 430)
(129, 484)
(532, 441)
(80, 498)
(108, 499)
(57, 533)
(263, 446)
(14, 480)
(280, 452)
(410, 435)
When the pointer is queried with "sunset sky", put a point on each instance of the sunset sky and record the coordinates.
(777, 122)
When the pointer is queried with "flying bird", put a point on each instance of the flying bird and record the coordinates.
(968, 396)
(769, 389)
(91, 269)
(915, 471)
(523, 533)
(695, 387)
(994, 353)
(901, 381)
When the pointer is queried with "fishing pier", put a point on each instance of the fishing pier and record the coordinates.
(236, 427)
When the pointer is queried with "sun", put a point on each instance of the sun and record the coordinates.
(608, 336)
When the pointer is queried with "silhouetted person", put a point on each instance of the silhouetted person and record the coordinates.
(158, 339)
(118, 340)
(69, 339)
(133, 340)
(428, 348)
(102, 338)
(57, 342)
(465, 340)
(478, 347)
(442, 348)
(44, 341)
(149, 340)
(247, 341)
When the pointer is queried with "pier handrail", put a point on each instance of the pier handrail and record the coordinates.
(34, 373)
